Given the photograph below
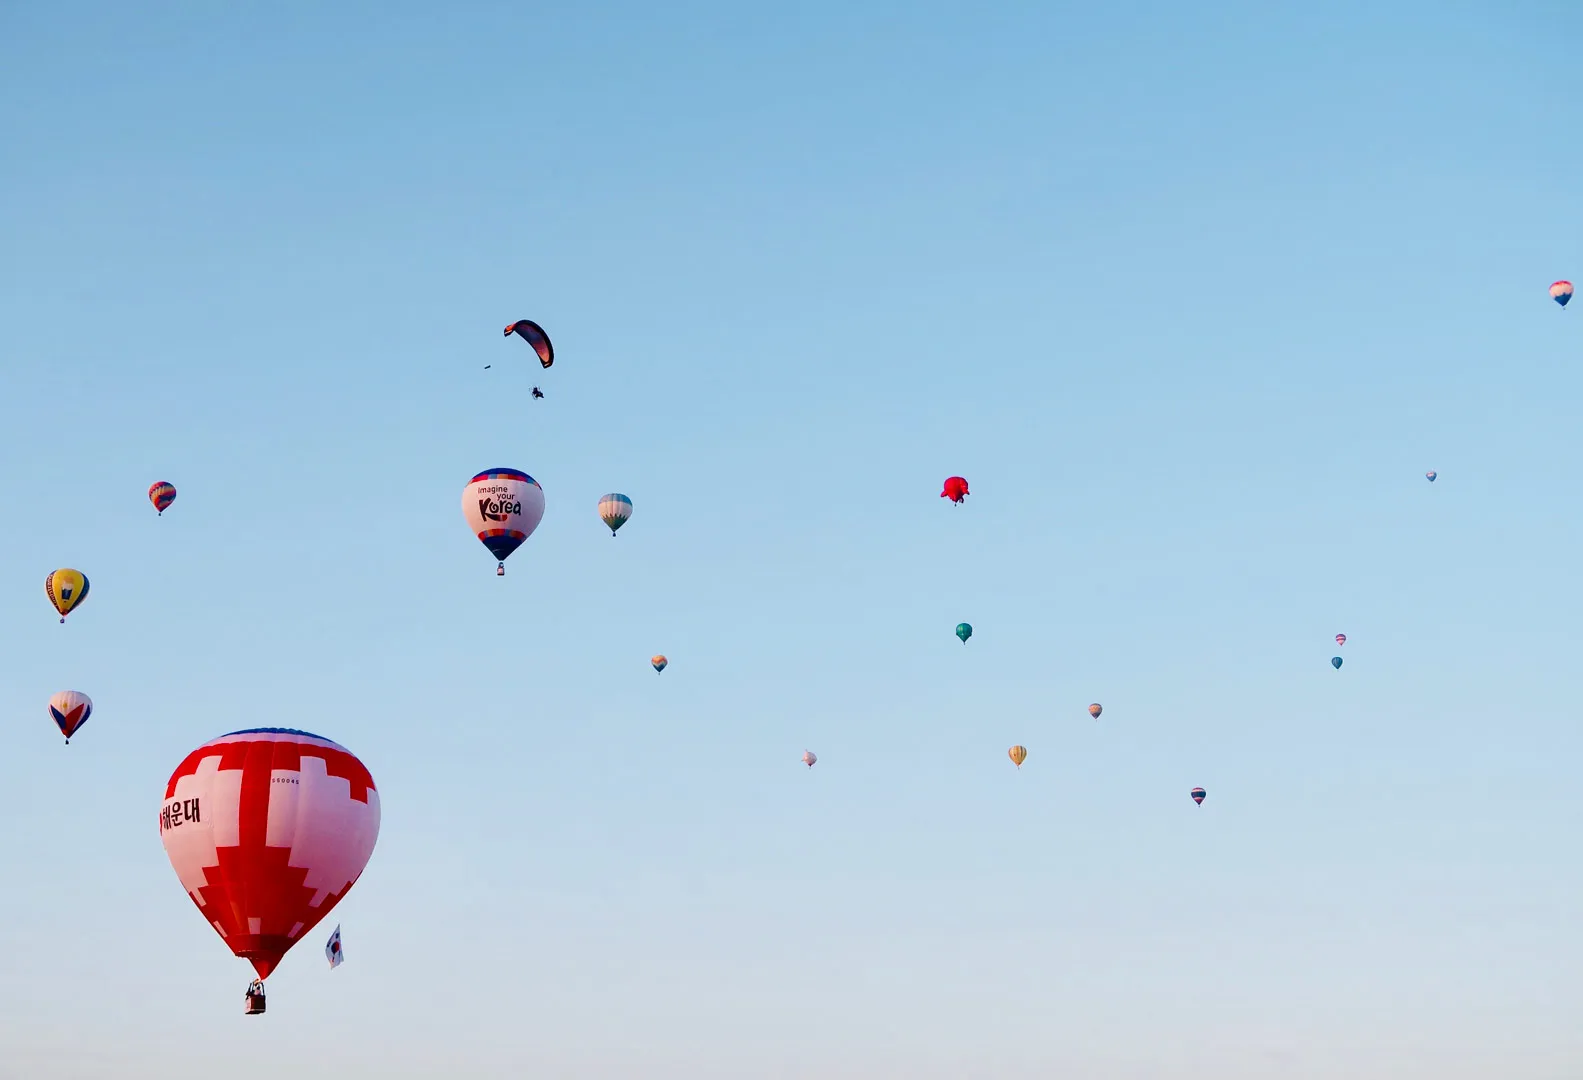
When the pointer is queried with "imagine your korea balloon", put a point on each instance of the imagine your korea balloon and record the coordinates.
(502, 507)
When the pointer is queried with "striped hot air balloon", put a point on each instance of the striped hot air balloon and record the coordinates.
(1095, 709)
(1341, 639)
(614, 510)
(1018, 755)
(162, 493)
(659, 662)
(1198, 794)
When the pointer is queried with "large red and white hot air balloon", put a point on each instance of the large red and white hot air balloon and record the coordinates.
(268, 829)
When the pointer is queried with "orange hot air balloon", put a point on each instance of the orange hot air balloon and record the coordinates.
(1018, 755)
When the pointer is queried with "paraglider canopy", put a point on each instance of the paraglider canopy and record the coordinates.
(534, 335)
(955, 489)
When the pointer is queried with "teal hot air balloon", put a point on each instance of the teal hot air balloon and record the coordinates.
(614, 509)
(1335, 662)
(964, 631)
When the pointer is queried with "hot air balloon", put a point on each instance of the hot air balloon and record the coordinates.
(268, 829)
(1018, 755)
(614, 510)
(1341, 639)
(162, 494)
(1335, 661)
(66, 589)
(955, 489)
(1095, 709)
(1561, 292)
(503, 507)
(659, 662)
(1198, 794)
(534, 335)
(964, 631)
(70, 710)
(1431, 474)
(809, 757)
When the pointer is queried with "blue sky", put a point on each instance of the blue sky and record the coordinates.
(1193, 299)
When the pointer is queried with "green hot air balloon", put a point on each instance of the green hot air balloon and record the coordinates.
(964, 631)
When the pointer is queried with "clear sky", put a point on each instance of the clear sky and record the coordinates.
(1192, 294)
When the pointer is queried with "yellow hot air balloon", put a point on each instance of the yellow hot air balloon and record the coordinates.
(66, 589)
(1018, 755)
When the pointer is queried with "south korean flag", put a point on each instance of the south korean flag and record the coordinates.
(332, 950)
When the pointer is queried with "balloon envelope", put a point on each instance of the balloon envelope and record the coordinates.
(1198, 794)
(1561, 292)
(955, 489)
(964, 631)
(659, 662)
(268, 829)
(1095, 709)
(66, 589)
(809, 757)
(1431, 474)
(1335, 661)
(503, 507)
(1341, 639)
(1018, 755)
(162, 493)
(70, 710)
(614, 510)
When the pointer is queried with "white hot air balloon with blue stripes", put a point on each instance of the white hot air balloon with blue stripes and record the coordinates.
(614, 510)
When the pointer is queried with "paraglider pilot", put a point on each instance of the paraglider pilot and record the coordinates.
(537, 392)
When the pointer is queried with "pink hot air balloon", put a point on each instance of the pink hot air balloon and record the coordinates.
(1341, 639)
(268, 829)
(1561, 292)
(161, 493)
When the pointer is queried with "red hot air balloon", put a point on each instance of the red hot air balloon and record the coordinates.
(268, 829)
(161, 493)
(955, 489)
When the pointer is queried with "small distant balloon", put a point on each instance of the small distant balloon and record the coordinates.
(70, 710)
(1430, 475)
(1335, 661)
(1018, 755)
(1341, 639)
(1095, 709)
(659, 662)
(809, 757)
(162, 494)
(1198, 794)
(955, 489)
(1561, 292)
(66, 588)
(614, 510)
(534, 335)
(964, 631)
